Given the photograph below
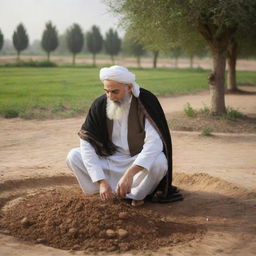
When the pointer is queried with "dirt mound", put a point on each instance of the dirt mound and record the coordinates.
(67, 219)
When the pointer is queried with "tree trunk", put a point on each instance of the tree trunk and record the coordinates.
(191, 59)
(138, 61)
(155, 58)
(112, 59)
(74, 59)
(231, 58)
(217, 80)
(94, 59)
(18, 56)
(48, 56)
(176, 62)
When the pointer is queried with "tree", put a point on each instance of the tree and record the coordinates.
(194, 46)
(132, 46)
(243, 45)
(20, 39)
(49, 40)
(94, 42)
(112, 43)
(217, 21)
(75, 40)
(1, 40)
(176, 53)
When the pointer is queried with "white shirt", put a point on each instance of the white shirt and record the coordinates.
(122, 160)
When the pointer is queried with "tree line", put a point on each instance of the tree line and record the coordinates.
(75, 41)
(74, 37)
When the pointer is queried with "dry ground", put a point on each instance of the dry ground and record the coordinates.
(216, 175)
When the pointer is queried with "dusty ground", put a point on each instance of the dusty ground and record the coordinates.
(206, 63)
(216, 175)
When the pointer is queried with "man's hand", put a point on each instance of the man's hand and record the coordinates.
(125, 183)
(105, 190)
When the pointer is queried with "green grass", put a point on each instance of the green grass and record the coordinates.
(66, 91)
(232, 114)
(206, 132)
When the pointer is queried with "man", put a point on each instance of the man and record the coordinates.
(125, 144)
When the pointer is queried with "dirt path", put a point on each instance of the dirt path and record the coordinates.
(217, 175)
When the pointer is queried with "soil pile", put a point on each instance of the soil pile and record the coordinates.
(67, 219)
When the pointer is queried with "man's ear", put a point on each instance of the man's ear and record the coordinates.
(129, 87)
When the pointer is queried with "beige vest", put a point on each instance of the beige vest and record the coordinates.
(136, 127)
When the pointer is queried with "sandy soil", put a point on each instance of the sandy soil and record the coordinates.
(206, 63)
(216, 175)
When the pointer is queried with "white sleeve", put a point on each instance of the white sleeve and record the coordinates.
(152, 147)
(91, 161)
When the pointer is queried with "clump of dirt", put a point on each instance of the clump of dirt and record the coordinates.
(67, 219)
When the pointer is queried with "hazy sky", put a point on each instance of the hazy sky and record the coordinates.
(63, 13)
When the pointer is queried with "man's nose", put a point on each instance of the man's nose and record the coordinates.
(110, 96)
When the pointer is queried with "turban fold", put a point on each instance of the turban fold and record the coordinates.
(121, 75)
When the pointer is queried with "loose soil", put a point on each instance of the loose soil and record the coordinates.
(67, 219)
(216, 175)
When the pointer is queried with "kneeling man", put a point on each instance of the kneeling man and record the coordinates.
(125, 144)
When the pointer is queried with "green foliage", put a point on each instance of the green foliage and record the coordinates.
(94, 41)
(112, 43)
(132, 46)
(20, 39)
(206, 132)
(75, 40)
(173, 21)
(189, 111)
(49, 39)
(10, 113)
(204, 110)
(1, 39)
(231, 114)
(31, 63)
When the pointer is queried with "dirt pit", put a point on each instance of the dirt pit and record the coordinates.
(53, 212)
(65, 218)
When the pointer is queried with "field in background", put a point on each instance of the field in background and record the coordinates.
(63, 92)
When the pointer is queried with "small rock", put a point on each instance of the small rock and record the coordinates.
(122, 233)
(76, 247)
(110, 233)
(68, 220)
(111, 248)
(124, 247)
(72, 230)
(40, 240)
(123, 215)
(6, 232)
(163, 219)
(25, 222)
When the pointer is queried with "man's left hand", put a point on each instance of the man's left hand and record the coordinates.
(124, 185)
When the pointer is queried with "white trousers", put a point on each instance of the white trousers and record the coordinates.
(144, 182)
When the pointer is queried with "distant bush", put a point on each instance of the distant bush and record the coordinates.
(31, 63)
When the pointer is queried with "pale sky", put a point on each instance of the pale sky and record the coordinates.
(63, 13)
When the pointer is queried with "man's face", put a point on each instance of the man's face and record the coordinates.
(116, 91)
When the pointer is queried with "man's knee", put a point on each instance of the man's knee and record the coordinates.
(73, 156)
(160, 165)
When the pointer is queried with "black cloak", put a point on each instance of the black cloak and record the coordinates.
(94, 130)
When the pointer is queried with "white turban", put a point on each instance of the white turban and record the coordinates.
(121, 75)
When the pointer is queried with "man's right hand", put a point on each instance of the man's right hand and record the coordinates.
(105, 190)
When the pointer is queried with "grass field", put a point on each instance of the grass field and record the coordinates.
(66, 91)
